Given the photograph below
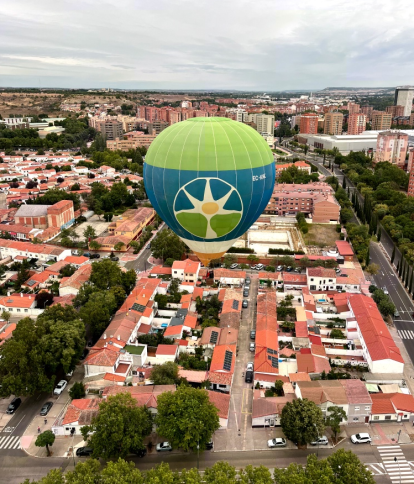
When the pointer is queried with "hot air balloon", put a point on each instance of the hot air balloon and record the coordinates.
(209, 179)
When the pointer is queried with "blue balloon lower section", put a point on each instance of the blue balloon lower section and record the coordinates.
(254, 188)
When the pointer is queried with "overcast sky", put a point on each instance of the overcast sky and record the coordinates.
(206, 44)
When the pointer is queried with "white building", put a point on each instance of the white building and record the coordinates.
(185, 270)
(404, 97)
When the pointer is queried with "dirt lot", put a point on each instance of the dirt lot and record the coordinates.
(23, 103)
(321, 235)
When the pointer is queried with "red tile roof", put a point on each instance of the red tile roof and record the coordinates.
(344, 248)
(381, 404)
(217, 360)
(221, 401)
(403, 402)
(166, 350)
(301, 329)
(376, 335)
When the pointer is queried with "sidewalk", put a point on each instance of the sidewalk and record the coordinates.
(62, 444)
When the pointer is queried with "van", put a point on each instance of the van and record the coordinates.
(249, 377)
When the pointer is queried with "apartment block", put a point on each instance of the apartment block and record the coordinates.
(367, 110)
(131, 143)
(110, 128)
(404, 97)
(315, 199)
(356, 123)
(308, 123)
(353, 108)
(392, 146)
(381, 121)
(395, 111)
(333, 123)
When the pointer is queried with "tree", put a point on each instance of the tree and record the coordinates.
(119, 428)
(98, 310)
(386, 307)
(348, 468)
(165, 374)
(373, 269)
(253, 258)
(167, 245)
(106, 274)
(301, 421)
(335, 415)
(169, 262)
(6, 315)
(337, 334)
(229, 259)
(186, 428)
(89, 233)
(119, 246)
(45, 439)
(393, 254)
(77, 391)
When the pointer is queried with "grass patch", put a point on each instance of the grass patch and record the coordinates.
(321, 235)
(134, 350)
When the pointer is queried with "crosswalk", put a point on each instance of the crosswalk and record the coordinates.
(395, 464)
(405, 334)
(10, 442)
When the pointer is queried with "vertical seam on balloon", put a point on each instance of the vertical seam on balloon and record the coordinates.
(198, 160)
(235, 169)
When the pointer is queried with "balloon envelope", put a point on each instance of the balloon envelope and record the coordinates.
(209, 179)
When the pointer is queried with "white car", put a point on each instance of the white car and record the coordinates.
(321, 441)
(163, 447)
(249, 366)
(234, 266)
(279, 442)
(60, 387)
(361, 438)
(385, 290)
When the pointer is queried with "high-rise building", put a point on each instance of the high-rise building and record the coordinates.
(354, 108)
(333, 123)
(308, 123)
(356, 123)
(241, 115)
(395, 111)
(265, 123)
(110, 128)
(392, 146)
(381, 121)
(367, 110)
(404, 97)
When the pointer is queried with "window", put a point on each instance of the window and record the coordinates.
(356, 419)
(18, 310)
(376, 417)
(405, 416)
(356, 408)
(367, 407)
(311, 279)
(388, 417)
(26, 310)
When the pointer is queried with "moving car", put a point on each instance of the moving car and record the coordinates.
(279, 442)
(321, 441)
(14, 405)
(163, 447)
(385, 290)
(361, 438)
(45, 409)
(245, 303)
(396, 314)
(252, 346)
(60, 387)
(252, 334)
(84, 452)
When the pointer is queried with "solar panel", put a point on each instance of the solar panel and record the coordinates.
(214, 337)
(138, 307)
(270, 351)
(275, 362)
(31, 283)
(236, 305)
(228, 357)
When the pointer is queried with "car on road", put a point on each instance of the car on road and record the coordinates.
(278, 442)
(84, 452)
(245, 292)
(234, 266)
(289, 269)
(114, 259)
(141, 452)
(247, 281)
(60, 387)
(361, 438)
(385, 290)
(338, 270)
(45, 409)
(209, 445)
(259, 267)
(279, 268)
(321, 441)
(245, 303)
(396, 314)
(252, 346)
(249, 376)
(252, 334)
(249, 366)
(148, 247)
(14, 405)
(164, 447)
(86, 254)
(94, 256)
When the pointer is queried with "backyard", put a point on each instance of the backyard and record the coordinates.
(321, 235)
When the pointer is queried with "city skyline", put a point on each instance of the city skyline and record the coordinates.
(260, 46)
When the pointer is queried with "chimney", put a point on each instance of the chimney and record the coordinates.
(21, 294)
(104, 335)
(118, 338)
(8, 293)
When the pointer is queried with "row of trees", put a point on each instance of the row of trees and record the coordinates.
(340, 467)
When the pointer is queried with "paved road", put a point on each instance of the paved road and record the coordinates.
(141, 262)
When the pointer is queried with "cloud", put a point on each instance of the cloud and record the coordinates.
(209, 44)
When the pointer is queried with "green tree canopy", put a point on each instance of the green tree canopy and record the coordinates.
(335, 415)
(119, 428)
(302, 420)
(165, 374)
(45, 439)
(167, 245)
(186, 417)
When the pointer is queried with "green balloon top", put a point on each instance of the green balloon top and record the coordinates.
(209, 144)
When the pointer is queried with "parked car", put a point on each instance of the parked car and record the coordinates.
(385, 290)
(289, 268)
(141, 452)
(163, 447)
(298, 270)
(148, 247)
(252, 346)
(84, 452)
(279, 268)
(14, 405)
(45, 409)
(94, 256)
(249, 366)
(259, 267)
(234, 266)
(338, 270)
(245, 303)
(69, 374)
(321, 441)
(60, 387)
(245, 292)
(278, 442)
(209, 445)
(114, 259)
(253, 267)
(248, 377)
(247, 281)
(252, 334)
(361, 438)
(86, 254)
